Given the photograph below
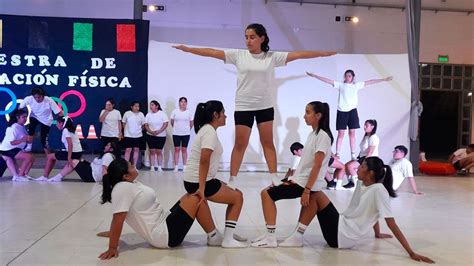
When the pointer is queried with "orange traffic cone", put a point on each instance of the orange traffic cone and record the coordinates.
(79, 132)
(91, 134)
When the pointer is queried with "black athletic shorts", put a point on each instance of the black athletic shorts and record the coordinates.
(331, 160)
(155, 142)
(286, 191)
(347, 119)
(11, 153)
(132, 142)
(245, 118)
(457, 165)
(62, 155)
(179, 223)
(329, 222)
(181, 141)
(212, 186)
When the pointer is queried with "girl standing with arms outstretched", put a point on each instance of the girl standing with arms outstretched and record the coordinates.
(254, 101)
(347, 116)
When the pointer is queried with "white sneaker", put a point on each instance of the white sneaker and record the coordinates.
(353, 156)
(41, 179)
(295, 240)
(240, 238)
(29, 177)
(232, 243)
(55, 178)
(19, 178)
(160, 169)
(152, 169)
(175, 169)
(215, 240)
(265, 243)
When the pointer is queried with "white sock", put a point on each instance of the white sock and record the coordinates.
(271, 229)
(229, 241)
(56, 178)
(276, 180)
(231, 182)
(269, 241)
(214, 238)
(339, 185)
(301, 228)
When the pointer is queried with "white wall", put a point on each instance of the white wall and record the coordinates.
(173, 74)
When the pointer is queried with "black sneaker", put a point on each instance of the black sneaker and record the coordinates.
(331, 185)
(349, 185)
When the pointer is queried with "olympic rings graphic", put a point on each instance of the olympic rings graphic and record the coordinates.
(81, 98)
(62, 105)
(14, 102)
(18, 101)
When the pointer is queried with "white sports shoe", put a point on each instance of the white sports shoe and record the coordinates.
(41, 179)
(19, 178)
(266, 242)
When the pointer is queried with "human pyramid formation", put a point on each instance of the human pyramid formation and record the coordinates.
(132, 202)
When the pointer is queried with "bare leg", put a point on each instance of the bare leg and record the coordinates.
(340, 137)
(317, 202)
(269, 208)
(352, 139)
(233, 198)
(204, 217)
(152, 158)
(159, 155)
(351, 168)
(176, 156)
(242, 136)
(265, 131)
(136, 151)
(184, 154)
(26, 161)
(68, 169)
(51, 160)
(126, 156)
(11, 165)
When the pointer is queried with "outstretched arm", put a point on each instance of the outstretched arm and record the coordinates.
(307, 54)
(323, 79)
(413, 185)
(375, 81)
(114, 236)
(401, 238)
(208, 52)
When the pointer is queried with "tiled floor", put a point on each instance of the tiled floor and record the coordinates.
(48, 224)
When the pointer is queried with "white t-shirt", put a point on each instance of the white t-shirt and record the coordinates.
(401, 169)
(255, 77)
(145, 214)
(348, 98)
(13, 132)
(110, 126)
(320, 142)
(76, 144)
(296, 162)
(206, 138)
(43, 110)
(133, 124)
(97, 164)
(181, 122)
(367, 206)
(459, 155)
(366, 142)
(155, 121)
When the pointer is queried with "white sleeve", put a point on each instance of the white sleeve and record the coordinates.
(173, 115)
(209, 139)
(337, 85)
(107, 159)
(101, 113)
(125, 117)
(408, 169)
(459, 152)
(296, 162)
(54, 106)
(123, 196)
(191, 116)
(25, 102)
(118, 115)
(279, 58)
(231, 56)
(374, 141)
(360, 85)
(66, 133)
(142, 119)
(164, 117)
(147, 118)
(382, 203)
(323, 142)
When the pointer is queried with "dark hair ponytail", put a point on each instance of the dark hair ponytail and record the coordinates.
(69, 125)
(115, 150)
(115, 172)
(323, 108)
(157, 104)
(372, 122)
(260, 31)
(204, 113)
(382, 173)
(15, 115)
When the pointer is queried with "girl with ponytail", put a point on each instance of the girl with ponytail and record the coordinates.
(254, 101)
(370, 202)
(308, 177)
(136, 204)
(200, 173)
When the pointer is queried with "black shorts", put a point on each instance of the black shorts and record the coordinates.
(212, 186)
(107, 140)
(245, 118)
(132, 142)
(84, 170)
(329, 222)
(179, 223)
(457, 165)
(155, 142)
(347, 119)
(181, 141)
(11, 153)
(331, 160)
(286, 191)
(62, 155)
